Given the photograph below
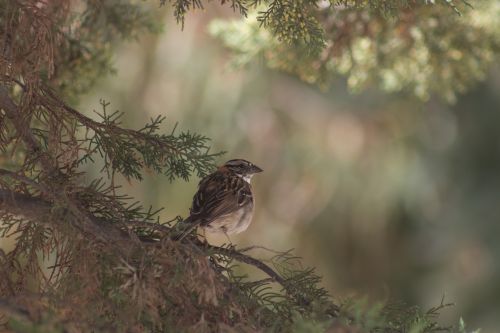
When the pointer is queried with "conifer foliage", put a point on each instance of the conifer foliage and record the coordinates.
(422, 48)
(89, 259)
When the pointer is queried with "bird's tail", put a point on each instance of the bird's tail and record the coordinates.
(186, 227)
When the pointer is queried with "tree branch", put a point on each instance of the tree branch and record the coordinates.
(22, 179)
(235, 254)
(24, 205)
(107, 128)
(33, 208)
(23, 129)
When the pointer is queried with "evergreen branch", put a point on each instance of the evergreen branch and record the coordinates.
(23, 129)
(229, 252)
(290, 284)
(234, 254)
(368, 42)
(34, 209)
(170, 154)
(31, 208)
(182, 7)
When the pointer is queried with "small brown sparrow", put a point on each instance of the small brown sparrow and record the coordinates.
(224, 201)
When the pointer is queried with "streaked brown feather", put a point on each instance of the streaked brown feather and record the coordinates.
(219, 194)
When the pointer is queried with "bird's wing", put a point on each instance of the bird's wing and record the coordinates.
(219, 194)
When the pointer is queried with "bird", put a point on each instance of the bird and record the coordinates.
(224, 201)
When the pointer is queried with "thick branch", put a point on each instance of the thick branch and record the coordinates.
(24, 205)
(33, 208)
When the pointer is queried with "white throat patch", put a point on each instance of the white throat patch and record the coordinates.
(247, 178)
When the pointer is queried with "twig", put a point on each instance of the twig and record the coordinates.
(258, 247)
(250, 261)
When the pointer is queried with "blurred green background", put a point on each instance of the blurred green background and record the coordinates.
(384, 194)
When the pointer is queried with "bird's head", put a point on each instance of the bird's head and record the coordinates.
(242, 168)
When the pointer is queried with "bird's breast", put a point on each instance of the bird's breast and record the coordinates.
(233, 223)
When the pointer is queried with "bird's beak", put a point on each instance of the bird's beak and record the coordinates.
(256, 169)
